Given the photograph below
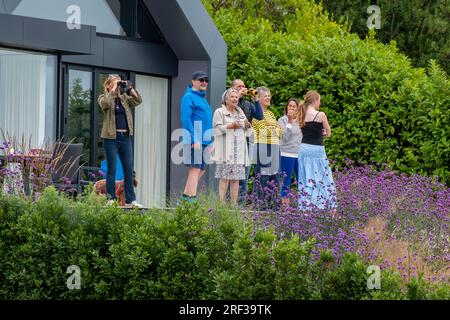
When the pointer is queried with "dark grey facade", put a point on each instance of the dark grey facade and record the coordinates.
(190, 41)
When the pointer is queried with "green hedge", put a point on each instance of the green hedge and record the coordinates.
(380, 108)
(187, 254)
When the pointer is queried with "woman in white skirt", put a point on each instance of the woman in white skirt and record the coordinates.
(316, 187)
(231, 128)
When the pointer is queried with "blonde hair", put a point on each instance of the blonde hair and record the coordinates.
(108, 81)
(261, 90)
(308, 99)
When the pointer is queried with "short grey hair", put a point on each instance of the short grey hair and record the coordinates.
(233, 83)
(227, 93)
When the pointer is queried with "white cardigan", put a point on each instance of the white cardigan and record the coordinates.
(224, 139)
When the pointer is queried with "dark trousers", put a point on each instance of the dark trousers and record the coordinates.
(243, 185)
(120, 146)
(266, 185)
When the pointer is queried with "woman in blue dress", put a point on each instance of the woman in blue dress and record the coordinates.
(316, 187)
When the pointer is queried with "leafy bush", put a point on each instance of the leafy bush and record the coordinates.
(348, 280)
(380, 108)
(191, 253)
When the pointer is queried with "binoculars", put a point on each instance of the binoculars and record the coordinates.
(250, 92)
(124, 87)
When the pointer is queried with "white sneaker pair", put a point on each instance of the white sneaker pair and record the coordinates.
(134, 204)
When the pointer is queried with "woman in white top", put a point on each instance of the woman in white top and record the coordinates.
(291, 138)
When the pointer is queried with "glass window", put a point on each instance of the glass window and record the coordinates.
(28, 96)
(79, 110)
(101, 151)
(104, 14)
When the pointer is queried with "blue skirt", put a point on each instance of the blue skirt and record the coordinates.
(316, 187)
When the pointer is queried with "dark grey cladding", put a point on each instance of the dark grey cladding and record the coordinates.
(45, 35)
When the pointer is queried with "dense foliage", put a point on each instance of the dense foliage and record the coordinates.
(191, 253)
(381, 109)
(421, 28)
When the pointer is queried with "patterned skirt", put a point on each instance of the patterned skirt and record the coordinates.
(230, 171)
(316, 187)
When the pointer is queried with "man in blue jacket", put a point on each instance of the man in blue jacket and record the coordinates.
(196, 120)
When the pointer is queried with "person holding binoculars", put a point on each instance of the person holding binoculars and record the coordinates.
(252, 110)
(116, 102)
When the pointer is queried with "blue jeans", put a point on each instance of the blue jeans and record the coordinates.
(288, 165)
(120, 146)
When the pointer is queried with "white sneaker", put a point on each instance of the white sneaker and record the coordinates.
(109, 203)
(134, 204)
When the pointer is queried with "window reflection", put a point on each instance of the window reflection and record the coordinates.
(105, 15)
(79, 111)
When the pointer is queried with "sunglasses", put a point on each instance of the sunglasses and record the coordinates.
(203, 80)
(113, 76)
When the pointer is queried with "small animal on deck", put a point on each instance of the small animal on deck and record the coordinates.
(100, 188)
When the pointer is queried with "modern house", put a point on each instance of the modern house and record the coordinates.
(55, 55)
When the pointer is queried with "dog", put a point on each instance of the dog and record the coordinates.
(100, 188)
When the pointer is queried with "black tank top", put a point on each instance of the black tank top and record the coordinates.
(312, 132)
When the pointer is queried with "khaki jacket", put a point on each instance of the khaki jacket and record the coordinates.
(230, 145)
(107, 105)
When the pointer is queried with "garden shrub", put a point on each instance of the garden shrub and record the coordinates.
(188, 253)
(391, 287)
(347, 281)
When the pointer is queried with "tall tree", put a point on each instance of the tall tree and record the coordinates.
(421, 28)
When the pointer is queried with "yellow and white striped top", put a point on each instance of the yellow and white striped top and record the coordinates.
(268, 130)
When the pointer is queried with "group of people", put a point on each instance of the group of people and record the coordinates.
(242, 132)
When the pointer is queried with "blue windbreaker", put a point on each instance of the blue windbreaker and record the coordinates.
(196, 117)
